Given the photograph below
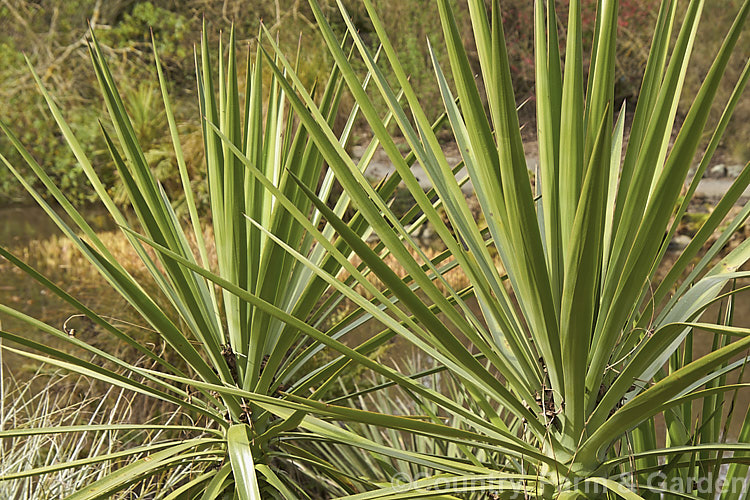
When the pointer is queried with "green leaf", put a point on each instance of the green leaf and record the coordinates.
(243, 465)
(615, 487)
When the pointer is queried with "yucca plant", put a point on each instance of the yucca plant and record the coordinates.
(255, 337)
(579, 362)
(572, 355)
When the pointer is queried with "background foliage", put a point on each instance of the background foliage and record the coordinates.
(51, 33)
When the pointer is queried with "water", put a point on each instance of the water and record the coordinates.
(22, 224)
(25, 231)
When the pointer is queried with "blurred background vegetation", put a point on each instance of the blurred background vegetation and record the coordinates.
(52, 35)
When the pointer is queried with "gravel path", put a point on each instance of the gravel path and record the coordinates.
(712, 187)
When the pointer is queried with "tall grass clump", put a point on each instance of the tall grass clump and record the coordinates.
(32, 409)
